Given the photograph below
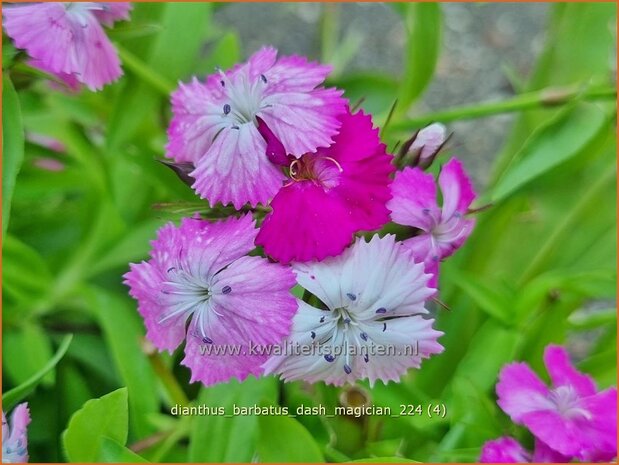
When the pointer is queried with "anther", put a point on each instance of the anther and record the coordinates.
(227, 109)
(207, 340)
(226, 290)
(352, 297)
(347, 369)
(329, 358)
(381, 310)
(264, 78)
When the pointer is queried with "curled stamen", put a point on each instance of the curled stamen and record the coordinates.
(334, 161)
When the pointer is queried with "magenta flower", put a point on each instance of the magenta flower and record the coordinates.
(199, 271)
(372, 327)
(507, 450)
(572, 417)
(14, 436)
(67, 40)
(443, 229)
(215, 124)
(331, 195)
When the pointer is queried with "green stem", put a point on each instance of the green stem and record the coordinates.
(141, 69)
(174, 390)
(545, 98)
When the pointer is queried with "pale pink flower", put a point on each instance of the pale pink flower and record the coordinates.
(200, 286)
(215, 124)
(67, 39)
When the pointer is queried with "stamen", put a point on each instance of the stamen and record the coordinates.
(339, 167)
(366, 358)
(322, 319)
(384, 327)
(207, 340)
(313, 335)
(329, 358)
(352, 297)
(347, 369)
(364, 336)
(226, 290)
(264, 78)
(381, 310)
(227, 109)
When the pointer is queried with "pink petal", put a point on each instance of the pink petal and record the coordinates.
(563, 373)
(235, 169)
(504, 450)
(306, 224)
(456, 187)
(205, 248)
(544, 454)
(304, 120)
(112, 12)
(598, 435)
(70, 81)
(414, 199)
(366, 170)
(520, 391)
(256, 311)
(197, 109)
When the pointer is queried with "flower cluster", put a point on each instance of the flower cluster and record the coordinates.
(268, 133)
(570, 421)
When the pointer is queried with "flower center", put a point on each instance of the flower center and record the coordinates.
(322, 171)
(567, 402)
(244, 97)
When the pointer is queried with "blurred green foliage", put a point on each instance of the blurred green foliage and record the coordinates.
(539, 255)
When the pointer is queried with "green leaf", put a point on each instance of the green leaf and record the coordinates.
(493, 345)
(12, 146)
(15, 395)
(229, 439)
(26, 350)
(25, 275)
(283, 439)
(423, 26)
(113, 452)
(553, 145)
(486, 295)
(106, 417)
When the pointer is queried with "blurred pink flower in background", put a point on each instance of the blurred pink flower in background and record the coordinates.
(67, 39)
(14, 435)
(215, 124)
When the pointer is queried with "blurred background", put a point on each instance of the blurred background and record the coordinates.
(529, 93)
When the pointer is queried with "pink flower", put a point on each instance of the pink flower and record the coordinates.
(199, 271)
(507, 450)
(572, 417)
(443, 229)
(14, 437)
(373, 325)
(332, 194)
(215, 124)
(67, 40)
